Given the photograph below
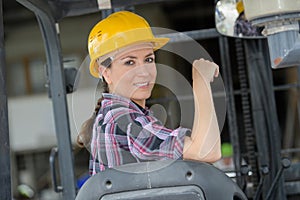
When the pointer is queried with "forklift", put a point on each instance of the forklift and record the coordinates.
(267, 174)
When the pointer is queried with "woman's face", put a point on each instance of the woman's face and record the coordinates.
(132, 74)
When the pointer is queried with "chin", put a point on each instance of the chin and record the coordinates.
(141, 96)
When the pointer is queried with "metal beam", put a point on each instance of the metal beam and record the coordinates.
(57, 92)
(5, 180)
(196, 35)
(80, 7)
(264, 112)
(231, 111)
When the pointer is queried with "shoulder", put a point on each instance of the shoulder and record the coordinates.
(118, 112)
(115, 109)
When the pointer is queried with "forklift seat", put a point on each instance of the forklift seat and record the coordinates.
(161, 180)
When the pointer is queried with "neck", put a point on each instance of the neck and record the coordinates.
(141, 103)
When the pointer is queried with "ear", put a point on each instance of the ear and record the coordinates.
(105, 72)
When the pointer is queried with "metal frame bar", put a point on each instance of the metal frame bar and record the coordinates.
(231, 112)
(5, 172)
(69, 8)
(263, 105)
(249, 133)
(196, 35)
(58, 94)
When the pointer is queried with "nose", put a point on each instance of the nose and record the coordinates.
(143, 69)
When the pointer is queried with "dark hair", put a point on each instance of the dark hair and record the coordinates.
(85, 134)
(105, 90)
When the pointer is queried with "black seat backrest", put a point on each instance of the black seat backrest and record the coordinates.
(161, 180)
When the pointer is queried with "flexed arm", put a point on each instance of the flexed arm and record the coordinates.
(204, 143)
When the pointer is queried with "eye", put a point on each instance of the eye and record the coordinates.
(149, 60)
(129, 62)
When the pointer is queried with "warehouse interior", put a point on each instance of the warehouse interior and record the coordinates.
(262, 111)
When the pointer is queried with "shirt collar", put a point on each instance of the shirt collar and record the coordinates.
(125, 101)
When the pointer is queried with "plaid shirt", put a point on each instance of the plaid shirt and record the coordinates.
(124, 132)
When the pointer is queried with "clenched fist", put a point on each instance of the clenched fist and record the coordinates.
(207, 69)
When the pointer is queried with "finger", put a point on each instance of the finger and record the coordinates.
(217, 72)
(207, 68)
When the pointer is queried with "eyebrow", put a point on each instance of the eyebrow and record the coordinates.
(150, 54)
(134, 57)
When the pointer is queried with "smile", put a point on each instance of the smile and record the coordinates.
(142, 84)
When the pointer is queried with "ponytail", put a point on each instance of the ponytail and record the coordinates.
(86, 130)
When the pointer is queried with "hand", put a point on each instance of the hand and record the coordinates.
(206, 68)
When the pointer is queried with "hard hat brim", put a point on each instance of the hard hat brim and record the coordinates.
(157, 44)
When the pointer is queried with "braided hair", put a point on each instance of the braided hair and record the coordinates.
(86, 130)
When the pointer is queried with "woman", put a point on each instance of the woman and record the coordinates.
(122, 48)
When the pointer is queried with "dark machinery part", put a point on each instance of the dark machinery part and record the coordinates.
(285, 163)
(264, 170)
(5, 179)
(161, 180)
(264, 112)
(231, 111)
(246, 110)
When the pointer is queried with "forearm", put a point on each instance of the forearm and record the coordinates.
(204, 143)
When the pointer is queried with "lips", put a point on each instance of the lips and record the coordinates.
(142, 84)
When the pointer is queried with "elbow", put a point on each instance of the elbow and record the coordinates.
(214, 155)
(210, 156)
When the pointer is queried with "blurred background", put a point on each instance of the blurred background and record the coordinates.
(30, 113)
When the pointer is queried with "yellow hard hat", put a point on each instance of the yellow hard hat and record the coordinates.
(119, 30)
(240, 6)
